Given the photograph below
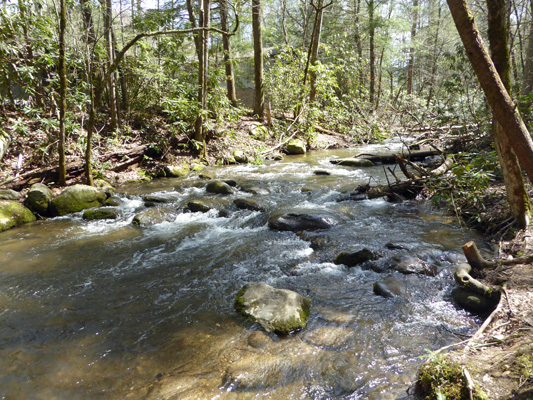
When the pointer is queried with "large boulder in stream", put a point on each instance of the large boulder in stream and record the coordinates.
(277, 310)
(153, 216)
(39, 198)
(296, 146)
(77, 198)
(219, 187)
(13, 214)
(296, 222)
(199, 206)
(176, 171)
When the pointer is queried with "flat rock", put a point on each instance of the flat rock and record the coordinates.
(412, 265)
(353, 162)
(198, 206)
(100, 213)
(295, 222)
(219, 187)
(9, 194)
(280, 311)
(153, 216)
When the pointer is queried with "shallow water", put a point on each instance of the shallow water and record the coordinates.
(104, 309)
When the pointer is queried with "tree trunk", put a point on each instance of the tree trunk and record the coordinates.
(436, 54)
(372, 53)
(527, 78)
(108, 20)
(358, 43)
(259, 96)
(411, 63)
(512, 173)
(203, 65)
(192, 20)
(283, 22)
(497, 96)
(228, 62)
(313, 51)
(62, 93)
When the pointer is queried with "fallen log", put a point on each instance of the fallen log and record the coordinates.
(414, 155)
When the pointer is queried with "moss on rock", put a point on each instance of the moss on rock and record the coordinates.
(13, 214)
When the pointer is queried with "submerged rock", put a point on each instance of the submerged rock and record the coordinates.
(472, 301)
(218, 187)
(39, 198)
(390, 287)
(248, 204)
(13, 214)
(277, 310)
(296, 146)
(353, 162)
(154, 216)
(354, 257)
(77, 198)
(295, 222)
(100, 213)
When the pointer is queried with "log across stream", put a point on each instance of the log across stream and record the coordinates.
(106, 309)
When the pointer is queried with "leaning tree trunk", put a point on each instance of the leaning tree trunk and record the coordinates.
(259, 96)
(228, 62)
(62, 93)
(499, 100)
(512, 173)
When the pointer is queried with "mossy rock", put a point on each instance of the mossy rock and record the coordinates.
(296, 146)
(218, 187)
(77, 198)
(280, 311)
(113, 201)
(39, 198)
(153, 216)
(13, 214)
(472, 301)
(441, 378)
(104, 186)
(198, 206)
(240, 157)
(174, 171)
(100, 213)
(248, 204)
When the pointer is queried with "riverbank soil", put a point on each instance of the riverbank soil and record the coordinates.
(499, 357)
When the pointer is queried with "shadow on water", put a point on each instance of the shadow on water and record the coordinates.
(108, 310)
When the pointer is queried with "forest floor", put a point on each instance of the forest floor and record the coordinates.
(500, 360)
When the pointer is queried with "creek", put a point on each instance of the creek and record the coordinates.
(109, 310)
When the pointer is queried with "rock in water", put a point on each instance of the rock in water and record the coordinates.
(474, 302)
(100, 213)
(39, 198)
(295, 222)
(77, 198)
(154, 216)
(390, 287)
(277, 310)
(218, 187)
(198, 206)
(13, 214)
(296, 146)
(248, 204)
(174, 171)
(353, 162)
(351, 258)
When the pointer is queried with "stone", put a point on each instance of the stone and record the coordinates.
(198, 206)
(412, 265)
(153, 216)
(248, 204)
(205, 176)
(196, 167)
(151, 200)
(113, 201)
(321, 172)
(100, 213)
(13, 214)
(174, 171)
(218, 187)
(231, 182)
(296, 146)
(240, 157)
(260, 132)
(280, 311)
(104, 186)
(472, 301)
(295, 222)
(353, 162)
(77, 198)
(258, 340)
(254, 189)
(39, 198)
(390, 287)
(9, 194)
(354, 257)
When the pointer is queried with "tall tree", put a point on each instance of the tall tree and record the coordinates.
(228, 61)
(62, 93)
(112, 86)
(203, 70)
(511, 171)
(497, 96)
(259, 95)
(411, 62)
(372, 34)
(527, 79)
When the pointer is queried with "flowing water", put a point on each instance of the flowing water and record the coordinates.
(108, 310)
